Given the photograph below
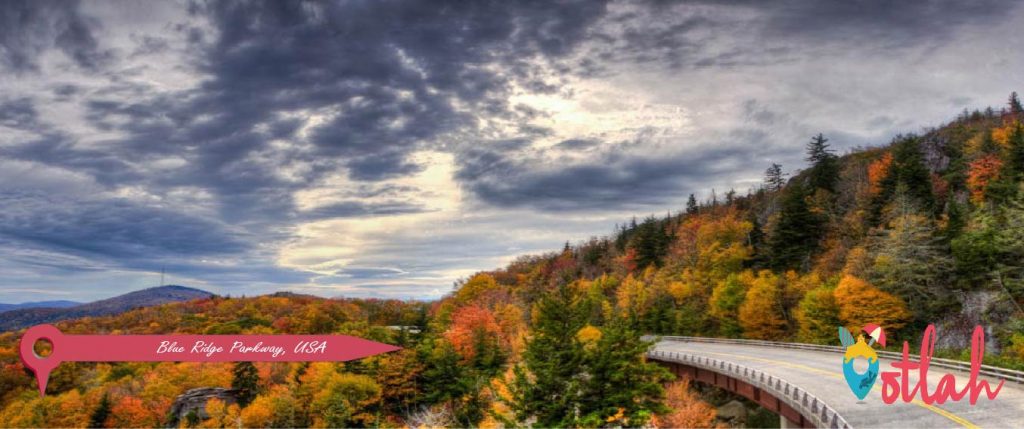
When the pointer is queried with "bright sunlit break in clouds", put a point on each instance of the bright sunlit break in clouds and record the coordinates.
(389, 148)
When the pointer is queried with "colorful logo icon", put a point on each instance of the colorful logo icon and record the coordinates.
(861, 383)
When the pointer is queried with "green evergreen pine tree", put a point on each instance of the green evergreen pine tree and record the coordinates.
(691, 205)
(796, 235)
(99, 416)
(246, 381)
(956, 219)
(988, 145)
(991, 250)
(755, 239)
(1015, 141)
(774, 179)
(650, 241)
(1015, 106)
(956, 171)
(1009, 273)
(617, 379)
(908, 171)
(548, 383)
(824, 171)
(911, 261)
(564, 381)
(447, 381)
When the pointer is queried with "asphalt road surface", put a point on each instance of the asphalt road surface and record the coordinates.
(820, 373)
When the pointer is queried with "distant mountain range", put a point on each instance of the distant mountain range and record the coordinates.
(25, 317)
(39, 304)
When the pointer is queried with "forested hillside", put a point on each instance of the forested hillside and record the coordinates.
(927, 229)
(25, 317)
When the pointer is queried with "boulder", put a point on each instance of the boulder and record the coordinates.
(194, 401)
(732, 410)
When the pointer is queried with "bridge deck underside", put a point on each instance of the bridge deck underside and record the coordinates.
(747, 390)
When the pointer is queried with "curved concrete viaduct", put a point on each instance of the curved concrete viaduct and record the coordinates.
(804, 384)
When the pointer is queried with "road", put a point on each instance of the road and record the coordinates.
(820, 374)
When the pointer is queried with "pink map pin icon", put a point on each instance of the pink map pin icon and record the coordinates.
(41, 366)
(189, 348)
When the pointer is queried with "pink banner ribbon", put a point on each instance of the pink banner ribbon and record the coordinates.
(188, 348)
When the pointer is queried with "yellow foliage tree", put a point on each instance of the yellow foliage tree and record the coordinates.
(344, 401)
(476, 287)
(796, 286)
(221, 415)
(275, 408)
(858, 262)
(761, 315)
(631, 297)
(725, 302)
(708, 249)
(259, 413)
(861, 303)
(817, 316)
(589, 336)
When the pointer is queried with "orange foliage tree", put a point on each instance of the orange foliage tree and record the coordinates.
(688, 410)
(131, 412)
(470, 326)
(982, 171)
(877, 171)
(861, 303)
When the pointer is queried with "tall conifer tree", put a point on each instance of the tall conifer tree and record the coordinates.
(796, 235)
(824, 172)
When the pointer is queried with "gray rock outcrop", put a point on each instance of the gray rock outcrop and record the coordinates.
(193, 402)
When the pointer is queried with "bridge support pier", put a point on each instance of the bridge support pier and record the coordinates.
(785, 423)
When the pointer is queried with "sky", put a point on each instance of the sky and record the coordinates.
(390, 148)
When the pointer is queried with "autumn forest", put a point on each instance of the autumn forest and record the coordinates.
(925, 229)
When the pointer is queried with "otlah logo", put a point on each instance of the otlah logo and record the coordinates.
(897, 384)
(861, 383)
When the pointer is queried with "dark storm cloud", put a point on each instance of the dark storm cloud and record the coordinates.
(118, 229)
(620, 176)
(57, 149)
(28, 28)
(711, 34)
(355, 209)
(724, 34)
(386, 77)
(578, 144)
(19, 113)
(883, 23)
(63, 92)
(384, 74)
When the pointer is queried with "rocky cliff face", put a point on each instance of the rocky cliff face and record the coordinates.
(192, 404)
(977, 308)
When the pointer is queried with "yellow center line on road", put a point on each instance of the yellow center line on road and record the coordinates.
(944, 413)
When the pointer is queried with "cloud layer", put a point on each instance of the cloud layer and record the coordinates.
(388, 148)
